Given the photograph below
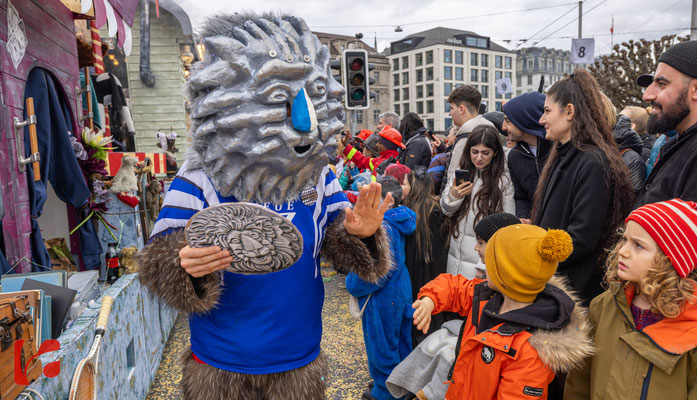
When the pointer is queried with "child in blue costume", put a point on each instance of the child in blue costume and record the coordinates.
(387, 316)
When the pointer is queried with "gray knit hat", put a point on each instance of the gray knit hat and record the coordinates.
(682, 56)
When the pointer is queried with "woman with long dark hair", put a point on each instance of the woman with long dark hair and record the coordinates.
(426, 250)
(584, 187)
(489, 191)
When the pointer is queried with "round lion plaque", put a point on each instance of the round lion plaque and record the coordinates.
(260, 241)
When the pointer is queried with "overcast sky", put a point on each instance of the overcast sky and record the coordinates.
(633, 19)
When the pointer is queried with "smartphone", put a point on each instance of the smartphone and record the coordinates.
(462, 176)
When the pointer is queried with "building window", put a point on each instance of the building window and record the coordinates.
(508, 61)
(419, 58)
(474, 59)
(447, 106)
(429, 90)
(396, 95)
(474, 75)
(395, 64)
(429, 124)
(419, 92)
(429, 57)
(447, 88)
(429, 74)
(485, 60)
(405, 62)
(459, 57)
(429, 106)
(405, 78)
(529, 79)
(530, 65)
(448, 123)
(485, 75)
(419, 75)
(419, 107)
(498, 61)
(395, 79)
(376, 75)
(405, 93)
(508, 75)
(376, 116)
(377, 97)
(558, 66)
(359, 116)
(405, 107)
(485, 91)
(396, 108)
(550, 64)
(498, 106)
(475, 86)
(498, 75)
(459, 74)
(448, 73)
(447, 56)
(457, 85)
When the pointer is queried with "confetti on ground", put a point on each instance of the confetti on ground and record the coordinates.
(342, 341)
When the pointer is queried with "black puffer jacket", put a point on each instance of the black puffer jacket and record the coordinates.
(630, 146)
(418, 151)
(525, 169)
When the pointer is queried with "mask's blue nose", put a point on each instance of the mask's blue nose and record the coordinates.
(303, 113)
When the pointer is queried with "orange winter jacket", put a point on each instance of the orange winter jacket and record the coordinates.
(513, 355)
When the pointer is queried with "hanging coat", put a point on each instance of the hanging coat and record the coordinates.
(58, 165)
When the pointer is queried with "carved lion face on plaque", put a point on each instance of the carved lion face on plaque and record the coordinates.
(264, 107)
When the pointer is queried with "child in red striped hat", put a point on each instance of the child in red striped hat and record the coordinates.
(645, 324)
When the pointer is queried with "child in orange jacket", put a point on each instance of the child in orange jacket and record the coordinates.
(390, 142)
(522, 326)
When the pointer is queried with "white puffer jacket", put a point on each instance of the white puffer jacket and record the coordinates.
(462, 258)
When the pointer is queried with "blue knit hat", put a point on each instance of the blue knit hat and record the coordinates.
(524, 112)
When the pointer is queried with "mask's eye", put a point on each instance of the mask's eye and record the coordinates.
(318, 88)
(276, 94)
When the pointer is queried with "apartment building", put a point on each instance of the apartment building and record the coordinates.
(534, 63)
(428, 65)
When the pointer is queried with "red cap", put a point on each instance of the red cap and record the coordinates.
(392, 135)
(673, 225)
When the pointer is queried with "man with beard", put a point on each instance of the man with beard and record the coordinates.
(672, 92)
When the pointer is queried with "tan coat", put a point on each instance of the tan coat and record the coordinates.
(659, 362)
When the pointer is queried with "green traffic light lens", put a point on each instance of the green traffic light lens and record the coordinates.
(357, 79)
(356, 64)
(358, 94)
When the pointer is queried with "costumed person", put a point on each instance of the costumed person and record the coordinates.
(645, 323)
(264, 112)
(523, 325)
(390, 141)
(387, 308)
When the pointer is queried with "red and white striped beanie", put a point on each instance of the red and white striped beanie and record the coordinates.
(673, 225)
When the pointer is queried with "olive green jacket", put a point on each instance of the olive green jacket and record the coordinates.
(659, 362)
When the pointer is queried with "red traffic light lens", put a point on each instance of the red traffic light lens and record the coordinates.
(357, 79)
(356, 64)
(358, 94)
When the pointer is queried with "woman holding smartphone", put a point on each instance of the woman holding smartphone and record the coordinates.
(584, 187)
(481, 187)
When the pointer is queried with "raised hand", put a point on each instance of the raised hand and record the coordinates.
(365, 218)
(201, 261)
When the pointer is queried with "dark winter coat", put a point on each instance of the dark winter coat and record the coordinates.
(630, 146)
(525, 169)
(675, 172)
(422, 272)
(418, 151)
(576, 198)
(647, 141)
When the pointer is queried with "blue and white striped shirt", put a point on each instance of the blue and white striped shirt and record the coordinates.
(264, 323)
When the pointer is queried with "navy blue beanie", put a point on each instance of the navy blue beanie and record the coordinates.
(524, 112)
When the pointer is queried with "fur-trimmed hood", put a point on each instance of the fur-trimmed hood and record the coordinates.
(565, 349)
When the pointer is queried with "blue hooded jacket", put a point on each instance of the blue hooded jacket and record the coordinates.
(387, 318)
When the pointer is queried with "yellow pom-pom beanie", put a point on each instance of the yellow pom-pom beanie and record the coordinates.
(520, 259)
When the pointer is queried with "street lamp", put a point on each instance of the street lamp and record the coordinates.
(399, 29)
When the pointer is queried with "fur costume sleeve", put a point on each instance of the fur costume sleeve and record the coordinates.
(161, 271)
(369, 258)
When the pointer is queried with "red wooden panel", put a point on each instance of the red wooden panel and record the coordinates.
(53, 8)
(39, 19)
(3, 26)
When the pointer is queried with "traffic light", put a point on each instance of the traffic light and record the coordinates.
(355, 72)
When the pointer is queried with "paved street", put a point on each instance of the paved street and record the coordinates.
(342, 341)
